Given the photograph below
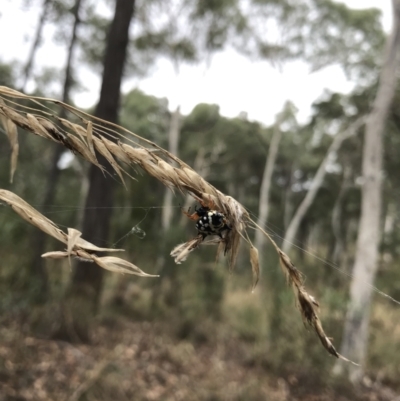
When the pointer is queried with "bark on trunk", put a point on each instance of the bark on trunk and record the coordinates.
(87, 279)
(316, 184)
(355, 338)
(37, 266)
(263, 207)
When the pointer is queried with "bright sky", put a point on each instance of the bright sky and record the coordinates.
(231, 81)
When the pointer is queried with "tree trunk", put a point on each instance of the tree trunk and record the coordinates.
(167, 294)
(336, 221)
(37, 266)
(86, 283)
(288, 198)
(318, 179)
(354, 343)
(263, 207)
(35, 45)
(173, 138)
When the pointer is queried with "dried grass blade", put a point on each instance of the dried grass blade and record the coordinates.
(89, 137)
(75, 244)
(116, 150)
(182, 251)
(12, 134)
(170, 173)
(31, 215)
(37, 127)
(118, 265)
(80, 131)
(219, 251)
(73, 236)
(109, 263)
(234, 241)
(16, 118)
(102, 149)
(56, 255)
(307, 304)
(255, 265)
(190, 177)
(81, 243)
(81, 148)
(82, 255)
(12, 92)
(51, 129)
(293, 275)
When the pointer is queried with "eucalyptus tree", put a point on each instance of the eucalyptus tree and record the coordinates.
(86, 283)
(354, 343)
(287, 115)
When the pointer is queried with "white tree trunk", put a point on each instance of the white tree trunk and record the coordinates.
(173, 137)
(354, 343)
(263, 207)
(339, 247)
(317, 181)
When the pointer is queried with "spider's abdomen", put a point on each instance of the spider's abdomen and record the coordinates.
(211, 223)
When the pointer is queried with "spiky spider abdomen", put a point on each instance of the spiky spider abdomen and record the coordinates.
(209, 222)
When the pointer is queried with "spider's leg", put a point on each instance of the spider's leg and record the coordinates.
(193, 216)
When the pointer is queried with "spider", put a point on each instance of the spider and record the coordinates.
(208, 221)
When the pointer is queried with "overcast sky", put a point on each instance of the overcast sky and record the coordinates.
(231, 81)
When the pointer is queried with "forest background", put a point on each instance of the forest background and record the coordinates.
(198, 331)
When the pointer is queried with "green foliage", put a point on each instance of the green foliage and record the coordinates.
(322, 32)
(146, 115)
(6, 75)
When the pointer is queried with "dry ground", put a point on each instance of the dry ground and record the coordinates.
(146, 361)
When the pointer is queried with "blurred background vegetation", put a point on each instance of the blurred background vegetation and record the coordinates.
(198, 332)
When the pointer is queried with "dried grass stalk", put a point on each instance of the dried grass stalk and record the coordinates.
(83, 134)
(255, 265)
(306, 303)
(76, 246)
